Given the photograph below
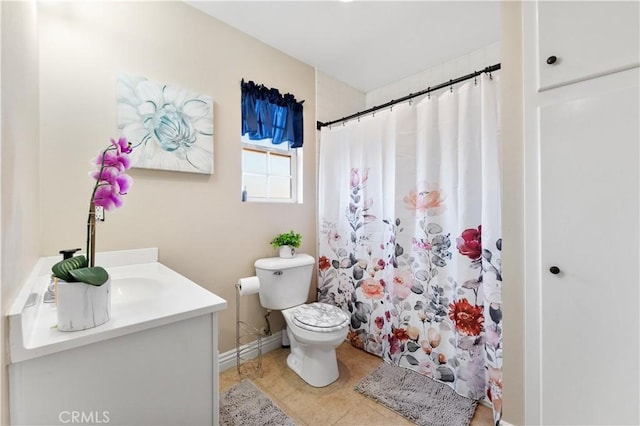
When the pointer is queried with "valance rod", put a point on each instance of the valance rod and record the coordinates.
(449, 83)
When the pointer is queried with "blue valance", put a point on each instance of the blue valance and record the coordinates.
(266, 114)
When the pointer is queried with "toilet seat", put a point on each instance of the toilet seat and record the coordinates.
(320, 317)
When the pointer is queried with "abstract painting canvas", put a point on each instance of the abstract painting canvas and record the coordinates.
(170, 128)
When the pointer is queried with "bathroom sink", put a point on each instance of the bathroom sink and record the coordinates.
(133, 284)
(132, 290)
(144, 294)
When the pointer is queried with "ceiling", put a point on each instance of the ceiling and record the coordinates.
(366, 44)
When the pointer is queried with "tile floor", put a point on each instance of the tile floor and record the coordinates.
(336, 404)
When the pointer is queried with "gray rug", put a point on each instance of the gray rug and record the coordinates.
(416, 397)
(246, 405)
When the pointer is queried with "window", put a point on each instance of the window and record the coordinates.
(270, 174)
(272, 136)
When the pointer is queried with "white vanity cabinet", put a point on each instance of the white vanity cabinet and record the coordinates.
(155, 362)
(582, 204)
(160, 376)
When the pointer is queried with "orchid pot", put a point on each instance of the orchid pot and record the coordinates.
(83, 294)
(81, 306)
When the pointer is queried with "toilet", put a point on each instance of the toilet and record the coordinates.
(315, 330)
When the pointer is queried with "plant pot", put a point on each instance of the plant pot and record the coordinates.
(81, 306)
(286, 252)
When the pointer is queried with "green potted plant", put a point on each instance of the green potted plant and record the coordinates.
(287, 243)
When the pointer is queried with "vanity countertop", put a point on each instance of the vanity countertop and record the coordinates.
(145, 294)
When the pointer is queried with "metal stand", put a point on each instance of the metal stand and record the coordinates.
(247, 363)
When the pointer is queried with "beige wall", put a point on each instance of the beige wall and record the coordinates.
(462, 65)
(19, 145)
(513, 213)
(335, 99)
(198, 222)
(19, 160)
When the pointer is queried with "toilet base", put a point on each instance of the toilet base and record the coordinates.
(316, 366)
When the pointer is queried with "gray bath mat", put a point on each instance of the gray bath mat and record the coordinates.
(245, 405)
(416, 397)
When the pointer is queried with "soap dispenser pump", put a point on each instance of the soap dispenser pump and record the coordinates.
(68, 253)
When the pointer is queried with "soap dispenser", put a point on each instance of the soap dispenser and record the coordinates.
(50, 294)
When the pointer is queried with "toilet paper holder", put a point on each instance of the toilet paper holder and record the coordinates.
(249, 342)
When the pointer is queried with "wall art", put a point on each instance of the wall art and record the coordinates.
(170, 128)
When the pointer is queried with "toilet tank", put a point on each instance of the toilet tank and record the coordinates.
(284, 283)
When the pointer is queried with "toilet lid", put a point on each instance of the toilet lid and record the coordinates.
(320, 317)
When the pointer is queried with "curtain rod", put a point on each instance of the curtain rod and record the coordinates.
(495, 67)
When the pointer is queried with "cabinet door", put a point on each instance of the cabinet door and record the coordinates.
(587, 38)
(589, 229)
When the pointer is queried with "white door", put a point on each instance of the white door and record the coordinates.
(589, 222)
(582, 213)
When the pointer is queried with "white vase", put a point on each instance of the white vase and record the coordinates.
(286, 252)
(81, 306)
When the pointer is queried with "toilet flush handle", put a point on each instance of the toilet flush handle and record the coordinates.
(277, 273)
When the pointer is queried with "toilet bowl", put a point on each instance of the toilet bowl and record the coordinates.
(315, 331)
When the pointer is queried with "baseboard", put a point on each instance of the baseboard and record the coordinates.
(487, 404)
(227, 360)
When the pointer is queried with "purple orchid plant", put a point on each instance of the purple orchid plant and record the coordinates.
(111, 181)
(111, 184)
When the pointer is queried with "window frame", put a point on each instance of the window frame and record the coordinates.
(295, 156)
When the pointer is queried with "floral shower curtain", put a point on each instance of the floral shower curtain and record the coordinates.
(410, 236)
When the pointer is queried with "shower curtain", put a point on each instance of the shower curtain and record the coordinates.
(410, 235)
